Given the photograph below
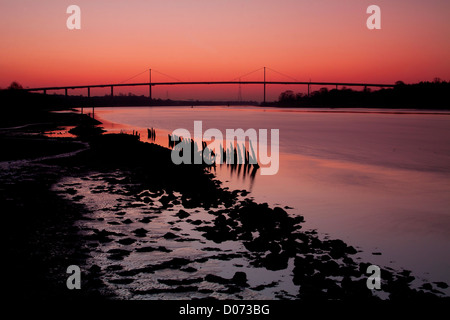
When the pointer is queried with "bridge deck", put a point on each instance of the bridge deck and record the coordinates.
(348, 84)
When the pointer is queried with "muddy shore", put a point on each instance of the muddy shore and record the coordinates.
(141, 227)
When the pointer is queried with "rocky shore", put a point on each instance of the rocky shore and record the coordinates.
(141, 227)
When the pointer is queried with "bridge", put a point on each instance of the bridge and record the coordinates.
(264, 83)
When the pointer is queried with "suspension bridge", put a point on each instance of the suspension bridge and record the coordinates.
(237, 81)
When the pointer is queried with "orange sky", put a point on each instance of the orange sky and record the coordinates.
(194, 40)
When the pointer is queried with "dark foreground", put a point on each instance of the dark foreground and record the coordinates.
(166, 234)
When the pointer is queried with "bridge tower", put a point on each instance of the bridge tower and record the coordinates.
(240, 91)
(264, 84)
(150, 84)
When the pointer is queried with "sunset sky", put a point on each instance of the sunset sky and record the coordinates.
(195, 40)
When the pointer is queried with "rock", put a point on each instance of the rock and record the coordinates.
(216, 279)
(101, 236)
(259, 244)
(177, 282)
(279, 212)
(232, 289)
(263, 286)
(94, 269)
(244, 193)
(240, 279)
(274, 247)
(351, 250)
(220, 221)
(147, 200)
(298, 219)
(127, 221)
(164, 200)
(302, 269)
(145, 220)
(119, 251)
(188, 269)
(337, 253)
(121, 281)
(170, 235)
(348, 261)
(441, 285)
(114, 267)
(185, 239)
(329, 268)
(182, 214)
(71, 191)
(334, 291)
(290, 246)
(115, 257)
(146, 249)
(274, 261)
(141, 232)
(126, 241)
(427, 286)
(175, 263)
(246, 236)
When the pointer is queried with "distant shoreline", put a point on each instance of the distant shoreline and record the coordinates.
(420, 96)
(365, 110)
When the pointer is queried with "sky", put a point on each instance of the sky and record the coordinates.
(212, 40)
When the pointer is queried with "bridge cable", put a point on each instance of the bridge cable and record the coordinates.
(167, 75)
(134, 76)
(284, 75)
(146, 70)
(238, 78)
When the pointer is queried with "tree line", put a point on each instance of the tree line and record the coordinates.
(423, 95)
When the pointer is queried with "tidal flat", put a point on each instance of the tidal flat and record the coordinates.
(141, 227)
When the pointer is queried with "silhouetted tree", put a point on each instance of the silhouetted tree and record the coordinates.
(420, 95)
(15, 86)
(299, 96)
(287, 96)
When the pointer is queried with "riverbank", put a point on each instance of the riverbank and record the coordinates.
(141, 227)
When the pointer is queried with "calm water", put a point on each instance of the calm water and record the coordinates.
(379, 181)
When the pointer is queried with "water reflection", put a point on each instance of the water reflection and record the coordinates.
(237, 159)
(377, 180)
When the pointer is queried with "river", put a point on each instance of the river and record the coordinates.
(377, 179)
